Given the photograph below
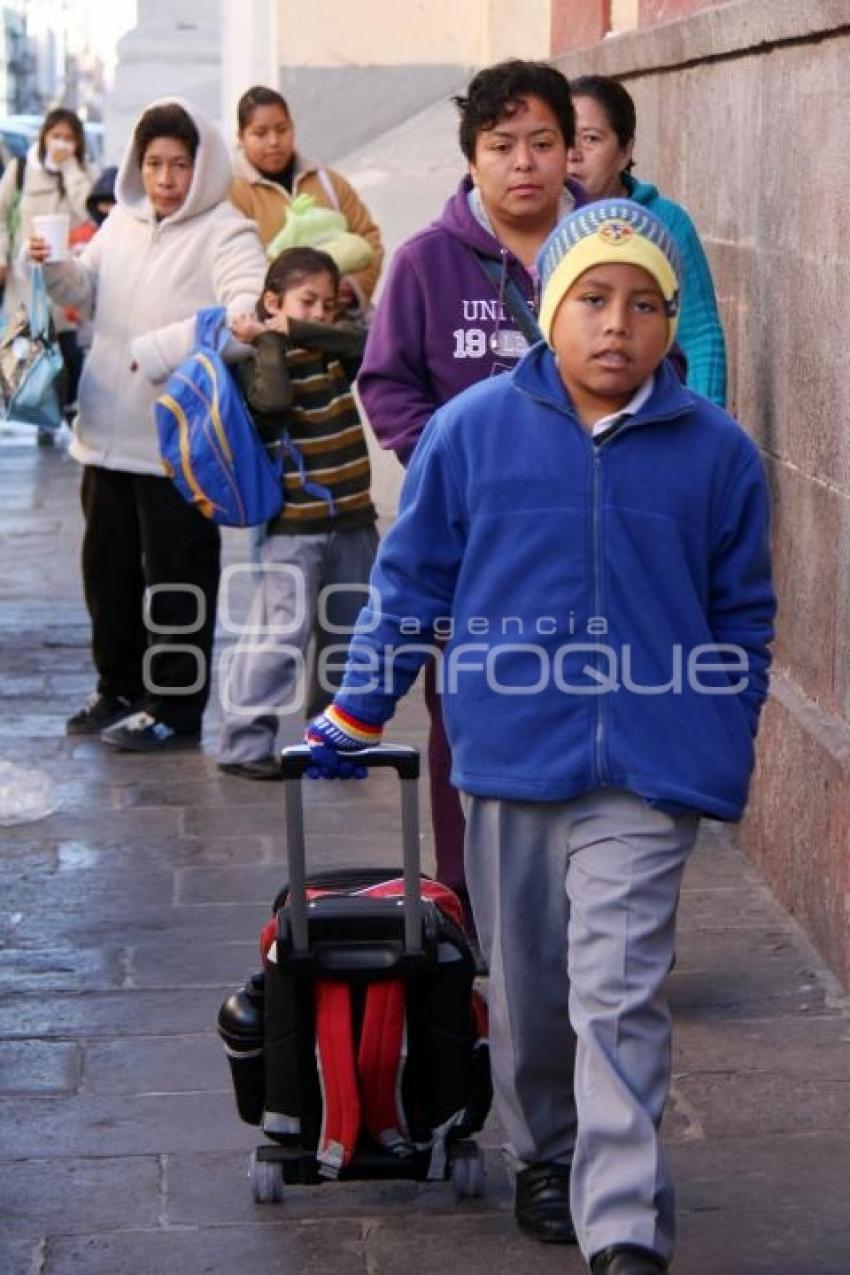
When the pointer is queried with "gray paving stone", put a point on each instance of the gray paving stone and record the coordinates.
(114, 924)
(109, 888)
(716, 862)
(73, 824)
(22, 855)
(281, 1250)
(754, 1104)
(170, 963)
(213, 1189)
(133, 1012)
(36, 752)
(143, 853)
(216, 789)
(266, 821)
(763, 1206)
(80, 792)
(37, 1066)
(727, 981)
(21, 1257)
(30, 725)
(73, 686)
(247, 883)
(159, 1064)
(810, 1046)
(36, 1194)
(725, 909)
(119, 1125)
(465, 1241)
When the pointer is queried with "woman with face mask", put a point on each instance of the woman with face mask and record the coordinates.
(601, 159)
(54, 177)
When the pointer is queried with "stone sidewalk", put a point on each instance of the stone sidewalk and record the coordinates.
(130, 911)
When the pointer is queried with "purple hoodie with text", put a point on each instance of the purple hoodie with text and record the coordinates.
(437, 322)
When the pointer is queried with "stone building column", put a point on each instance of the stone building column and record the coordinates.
(175, 47)
(250, 52)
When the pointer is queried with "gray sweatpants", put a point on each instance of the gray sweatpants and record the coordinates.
(575, 904)
(263, 671)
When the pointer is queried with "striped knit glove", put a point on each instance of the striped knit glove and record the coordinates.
(334, 734)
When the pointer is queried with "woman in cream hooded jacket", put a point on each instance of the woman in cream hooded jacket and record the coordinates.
(142, 278)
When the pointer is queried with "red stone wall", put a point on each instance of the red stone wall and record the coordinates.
(653, 11)
(576, 23)
(579, 23)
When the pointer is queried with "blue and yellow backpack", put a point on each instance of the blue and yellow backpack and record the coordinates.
(209, 446)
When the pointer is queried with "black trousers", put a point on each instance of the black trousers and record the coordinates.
(150, 563)
(72, 357)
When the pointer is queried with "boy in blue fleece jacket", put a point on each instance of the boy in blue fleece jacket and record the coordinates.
(597, 535)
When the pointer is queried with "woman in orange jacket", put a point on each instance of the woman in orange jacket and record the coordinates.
(270, 173)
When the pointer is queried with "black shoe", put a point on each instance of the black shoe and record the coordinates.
(100, 711)
(627, 1259)
(262, 768)
(142, 733)
(542, 1203)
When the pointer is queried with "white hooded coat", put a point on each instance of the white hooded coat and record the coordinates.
(143, 280)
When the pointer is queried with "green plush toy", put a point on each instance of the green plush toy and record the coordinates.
(308, 224)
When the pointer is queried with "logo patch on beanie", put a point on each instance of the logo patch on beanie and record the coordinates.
(616, 233)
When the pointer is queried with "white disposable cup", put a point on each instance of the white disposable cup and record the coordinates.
(55, 228)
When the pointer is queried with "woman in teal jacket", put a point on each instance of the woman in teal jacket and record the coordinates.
(601, 159)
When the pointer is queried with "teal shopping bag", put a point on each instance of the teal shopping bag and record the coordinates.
(31, 363)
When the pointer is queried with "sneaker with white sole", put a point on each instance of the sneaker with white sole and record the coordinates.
(99, 712)
(142, 733)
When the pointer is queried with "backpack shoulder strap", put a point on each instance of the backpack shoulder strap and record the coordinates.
(337, 1077)
(211, 332)
(380, 1064)
(20, 173)
(514, 299)
(328, 187)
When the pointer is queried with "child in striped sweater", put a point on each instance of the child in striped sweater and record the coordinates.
(319, 550)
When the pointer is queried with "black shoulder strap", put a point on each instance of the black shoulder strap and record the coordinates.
(514, 299)
(20, 171)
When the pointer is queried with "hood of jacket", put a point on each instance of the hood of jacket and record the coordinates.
(641, 192)
(211, 178)
(458, 219)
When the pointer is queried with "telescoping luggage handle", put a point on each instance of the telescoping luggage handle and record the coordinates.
(404, 760)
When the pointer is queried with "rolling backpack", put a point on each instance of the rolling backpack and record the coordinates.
(361, 1046)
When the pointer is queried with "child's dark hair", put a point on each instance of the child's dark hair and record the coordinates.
(168, 120)
(494, 92)
(293, 266)
(250, 102)
(62, 115)
(615, 100)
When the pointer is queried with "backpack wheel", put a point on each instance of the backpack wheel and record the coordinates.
(267, 1181)
(468, 1175)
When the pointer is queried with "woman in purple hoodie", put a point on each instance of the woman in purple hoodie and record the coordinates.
(459, 305)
